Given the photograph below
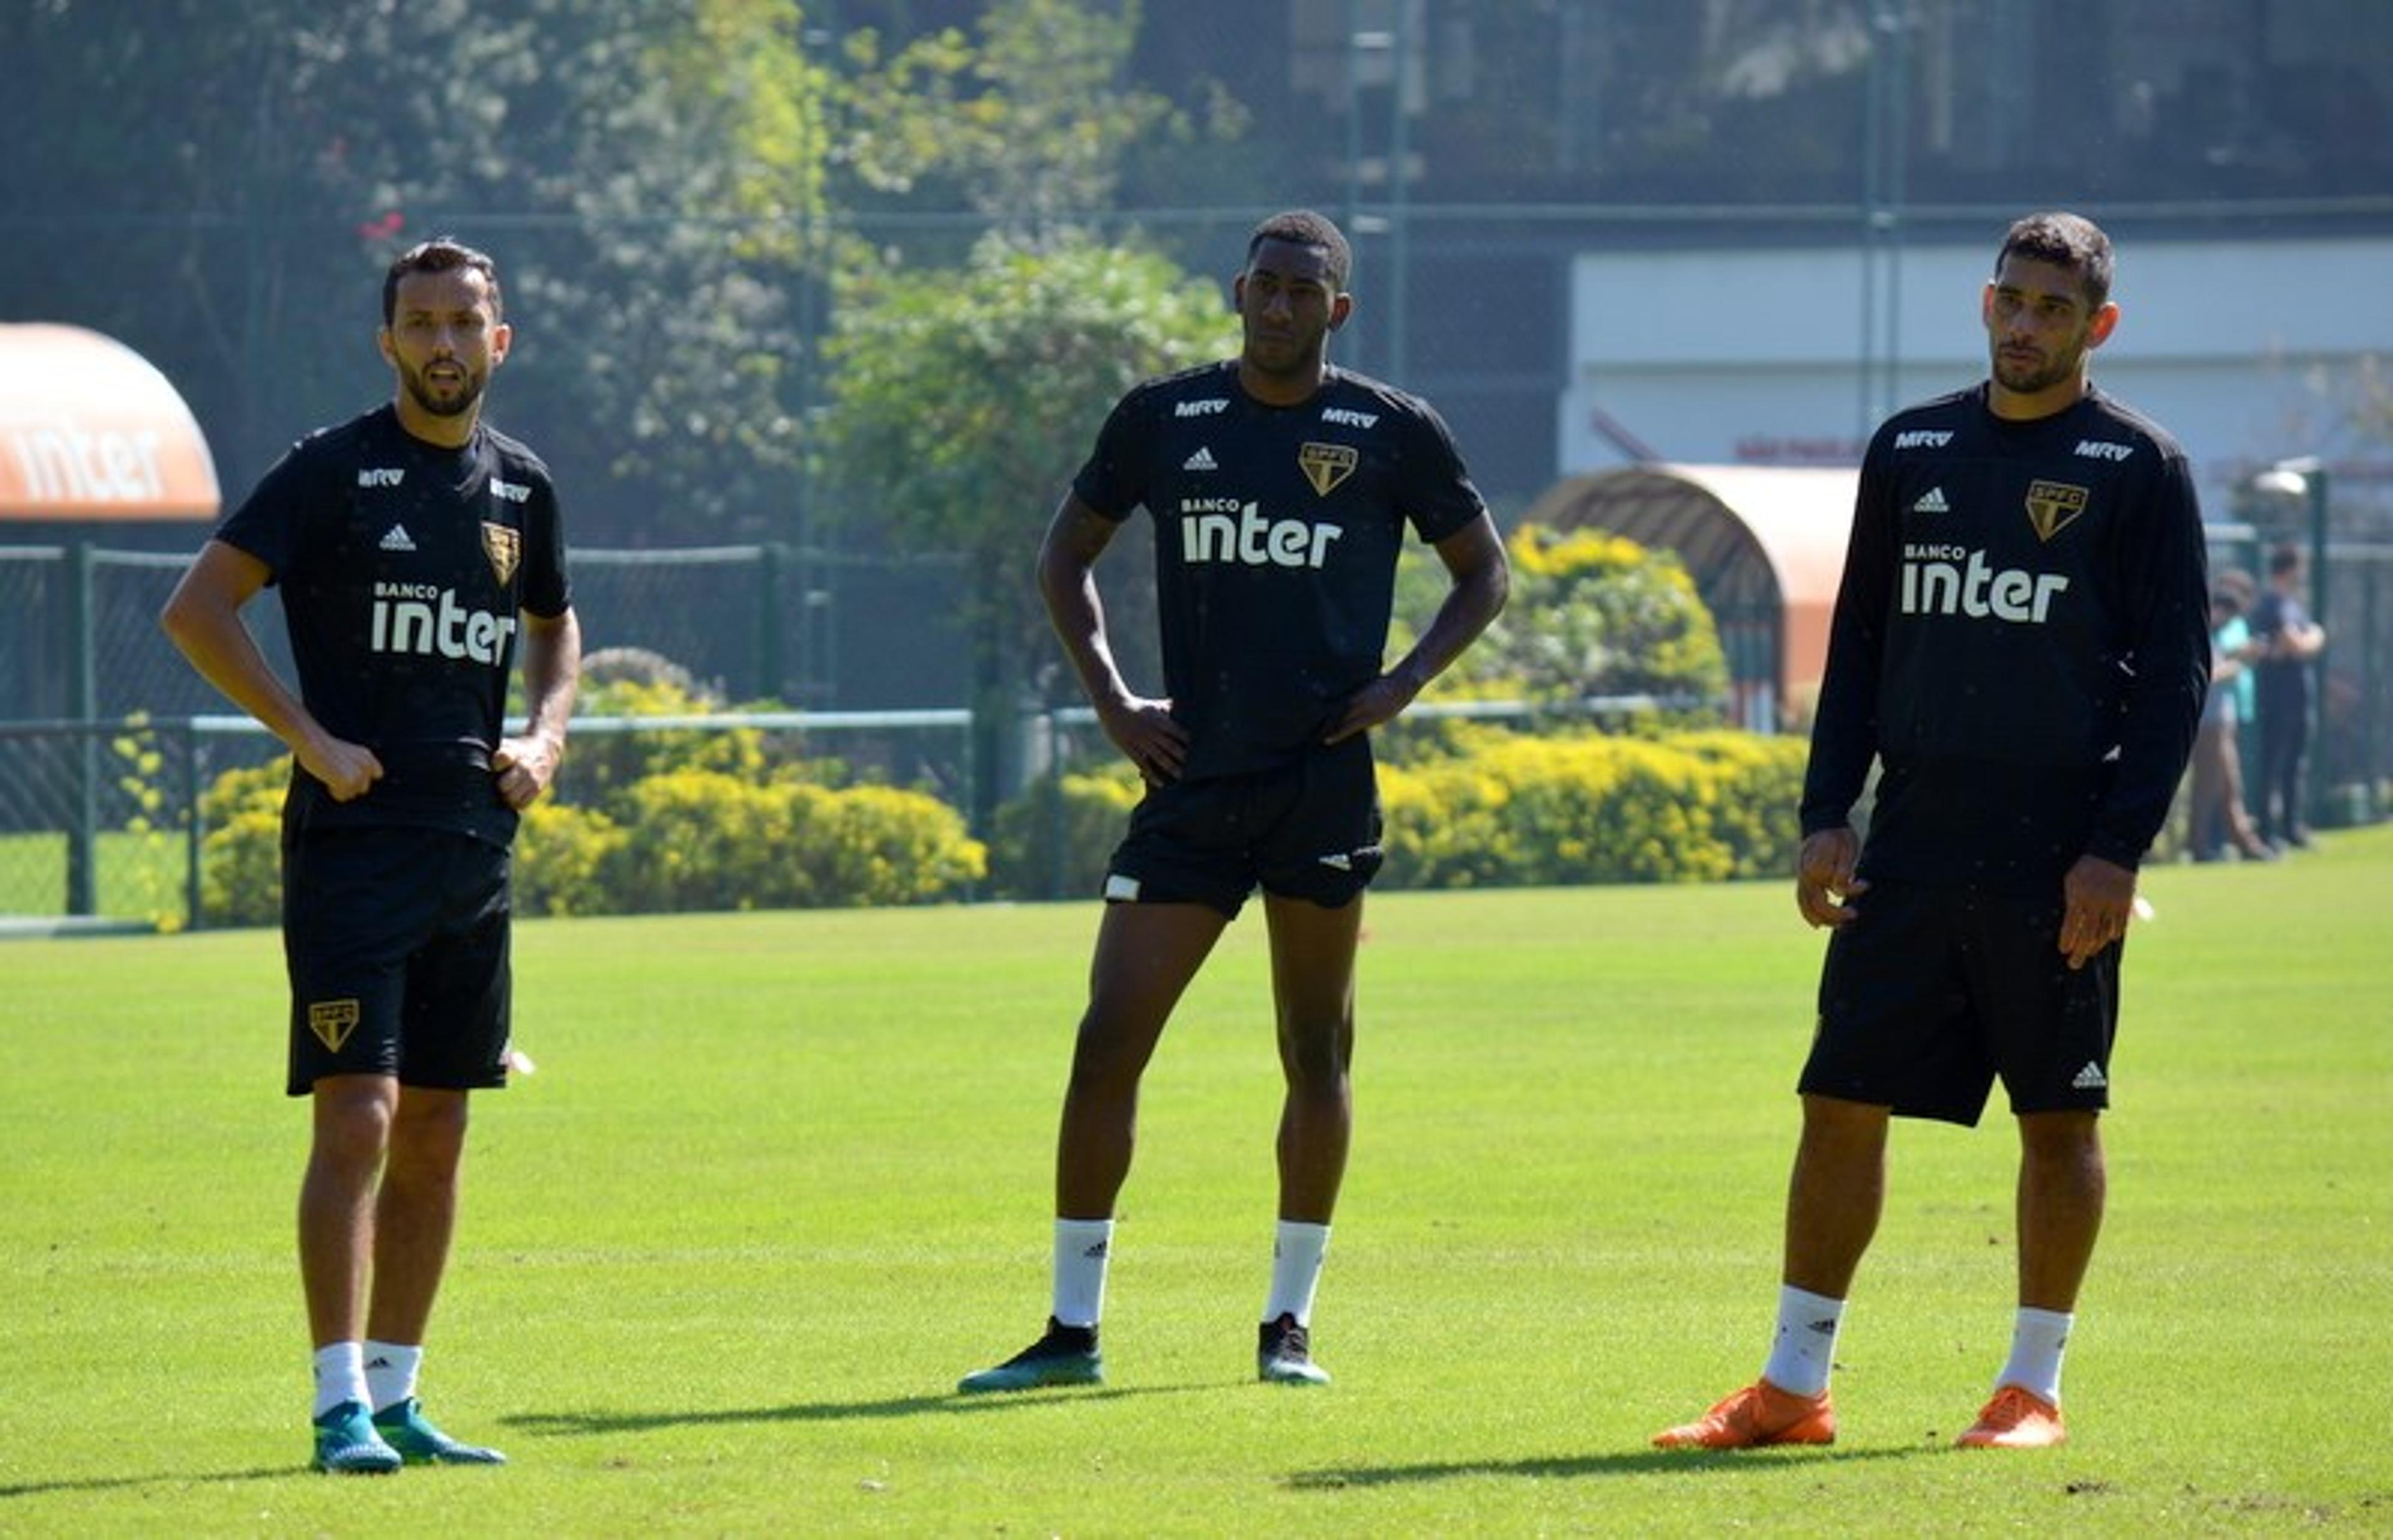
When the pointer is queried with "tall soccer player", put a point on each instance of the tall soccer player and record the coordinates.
(1282, 489)
(2020, 643)
(415, 547)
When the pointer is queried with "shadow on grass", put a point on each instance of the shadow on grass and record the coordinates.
(1630, 1462)
(580, 1424)
(163, 1478)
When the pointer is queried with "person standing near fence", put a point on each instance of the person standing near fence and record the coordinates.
(415, 546)
(2021, 642)
(2289, 643)
(1281, 488)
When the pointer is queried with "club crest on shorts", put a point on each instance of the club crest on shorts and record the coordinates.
(504, 547)
(2053, 507)
(1327, 465)
(333, 1021)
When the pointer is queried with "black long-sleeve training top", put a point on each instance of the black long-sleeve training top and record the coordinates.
(2021, 639)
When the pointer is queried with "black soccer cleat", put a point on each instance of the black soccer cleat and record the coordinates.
(1283, 1354)
(1067, 1355)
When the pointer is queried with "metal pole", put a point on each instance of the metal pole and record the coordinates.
(1054, 799)
(1897, 151)
(82, 838)
(1399, 143)
(1353, 117)
(1864, 363)
(772, 678)
(194, 825)
(2315, 480)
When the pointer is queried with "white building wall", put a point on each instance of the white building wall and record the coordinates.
(2249, 351)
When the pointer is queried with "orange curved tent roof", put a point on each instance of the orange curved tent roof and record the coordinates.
(89, 429)
(1765, 546)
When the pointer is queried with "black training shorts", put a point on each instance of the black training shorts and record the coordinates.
(1308, 829)
(1931, 993)
(397, 942)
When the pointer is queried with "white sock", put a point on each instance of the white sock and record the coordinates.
(340, 1376)
(390, 1372)
(1082, 1249)
(1296, 1269)
(2037, 1337)
(1805, 1349)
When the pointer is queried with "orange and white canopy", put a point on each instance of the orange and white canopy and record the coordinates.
(89, 429)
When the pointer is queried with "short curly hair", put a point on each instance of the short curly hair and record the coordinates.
(441, 254)
(1304, 227)
(2068, 241)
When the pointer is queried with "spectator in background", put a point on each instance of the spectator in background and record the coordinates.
(2289, 644)
(2216, 814)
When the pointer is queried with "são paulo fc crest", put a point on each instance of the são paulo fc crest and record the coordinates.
(504, 547)
(1325, 464)
(2053, 507)
(333, 1021)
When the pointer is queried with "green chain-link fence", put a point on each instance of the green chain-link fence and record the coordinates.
(97, 762)
(106, 736)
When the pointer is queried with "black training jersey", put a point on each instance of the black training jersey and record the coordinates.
(2021, 639)
(404, 568)
(1276, 533)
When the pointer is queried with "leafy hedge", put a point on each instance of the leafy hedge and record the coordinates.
(677, 841)
(675, 819)
(1500, 809)
(1536, 811)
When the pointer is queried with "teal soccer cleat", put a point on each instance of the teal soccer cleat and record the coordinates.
(405, 1429)
(347, 1444)
(1067, 1355)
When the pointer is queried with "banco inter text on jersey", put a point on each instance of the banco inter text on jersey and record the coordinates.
(405, 568)
(1277, 532)
(2020, 638)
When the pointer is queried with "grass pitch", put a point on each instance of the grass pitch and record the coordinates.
(783, 1178)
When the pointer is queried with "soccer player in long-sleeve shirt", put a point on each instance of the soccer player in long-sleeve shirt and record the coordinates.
(2020, 646)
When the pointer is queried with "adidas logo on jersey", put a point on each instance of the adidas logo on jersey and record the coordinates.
(1931, 502)
(397, 538)
(2090, 1078)
(1201, 461)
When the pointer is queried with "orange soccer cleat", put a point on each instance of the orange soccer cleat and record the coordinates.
(1759, 1414)
(2015, 1419)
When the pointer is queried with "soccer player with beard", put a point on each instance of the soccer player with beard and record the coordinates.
(2020, 643)
(413, 545)
(1282, 489)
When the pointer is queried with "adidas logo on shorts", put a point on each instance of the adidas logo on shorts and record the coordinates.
(2090, 1078)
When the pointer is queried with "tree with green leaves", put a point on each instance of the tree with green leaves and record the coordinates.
(1027, 126)
(961, 402)
(1592, 615)
(652, 179)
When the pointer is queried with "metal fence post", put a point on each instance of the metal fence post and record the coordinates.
(1053, 800)
(194, 825)
(83, 836)
(772, 679)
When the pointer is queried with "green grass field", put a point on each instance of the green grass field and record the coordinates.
(783, 1178)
